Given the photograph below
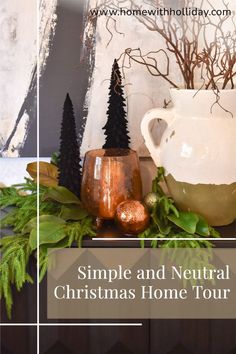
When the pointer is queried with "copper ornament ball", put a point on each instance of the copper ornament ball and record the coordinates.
(132, 216)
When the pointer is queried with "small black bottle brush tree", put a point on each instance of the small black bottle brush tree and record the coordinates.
(69, 158)
(116, 130)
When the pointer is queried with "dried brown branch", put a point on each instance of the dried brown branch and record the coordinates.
(202, 49)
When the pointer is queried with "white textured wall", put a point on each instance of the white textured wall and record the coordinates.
(18, 53)
(47, 26)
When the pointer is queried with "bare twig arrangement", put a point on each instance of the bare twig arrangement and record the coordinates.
(203, 48)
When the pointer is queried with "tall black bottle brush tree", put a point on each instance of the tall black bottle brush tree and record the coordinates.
(69, 156)
(116, 127)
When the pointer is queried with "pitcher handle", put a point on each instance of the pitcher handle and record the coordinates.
(168, 116)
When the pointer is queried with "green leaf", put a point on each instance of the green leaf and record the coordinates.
(154, 243)
(174, 210)
(72, 212)
(43, 270)
(63, 243)
(49, 232)
(32, 224)
(186, 221)
(202, 227)
(61, 195)
(159, 217)
(213, 232)
(55, 158)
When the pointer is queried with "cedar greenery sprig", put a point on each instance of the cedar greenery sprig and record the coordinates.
(13, 266)
(169, 222)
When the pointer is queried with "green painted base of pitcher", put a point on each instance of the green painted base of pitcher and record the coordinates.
(217, 203)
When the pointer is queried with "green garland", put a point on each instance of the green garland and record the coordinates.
(63, 221)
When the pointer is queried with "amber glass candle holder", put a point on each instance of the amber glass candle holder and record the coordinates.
(110, 176)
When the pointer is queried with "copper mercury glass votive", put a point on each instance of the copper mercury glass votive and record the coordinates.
(110, 176)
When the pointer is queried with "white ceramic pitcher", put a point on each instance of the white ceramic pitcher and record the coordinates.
(198, 151)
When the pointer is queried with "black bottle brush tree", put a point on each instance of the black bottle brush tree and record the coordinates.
(69, 156)
(116, 130)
